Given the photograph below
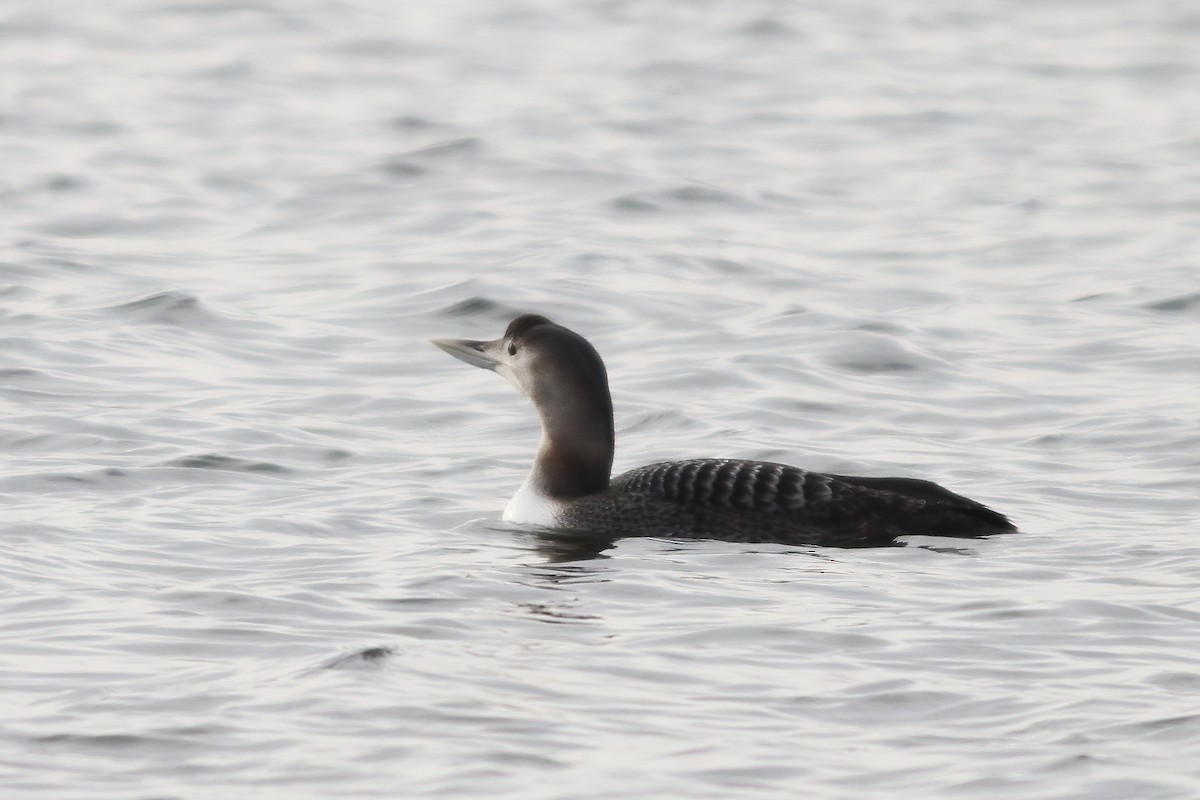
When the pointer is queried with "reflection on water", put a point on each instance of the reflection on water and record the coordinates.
(564, 546)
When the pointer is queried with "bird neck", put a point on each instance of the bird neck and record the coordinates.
(576, 452)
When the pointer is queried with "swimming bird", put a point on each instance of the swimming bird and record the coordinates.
(570, 484)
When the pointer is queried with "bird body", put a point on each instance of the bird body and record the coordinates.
(569, 484)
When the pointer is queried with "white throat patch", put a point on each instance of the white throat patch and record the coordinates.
(530, 507)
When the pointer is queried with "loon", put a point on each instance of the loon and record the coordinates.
(570, 485)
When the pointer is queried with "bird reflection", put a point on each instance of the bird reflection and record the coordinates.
(563, 546)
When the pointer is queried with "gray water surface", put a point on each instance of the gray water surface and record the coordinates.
(251, 544)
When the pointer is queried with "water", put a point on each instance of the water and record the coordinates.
(251, 544)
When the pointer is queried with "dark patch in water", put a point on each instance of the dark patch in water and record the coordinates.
(694, 194)
(560, 546)
(547, 613)
(77, 479)
(171, 299)
(472, 306)
(371, 47)
(634, 204)
(768, 28)
(410, 122)
(106, 740)
(227, 463)
(402, 168)
(689, 195)
(1181, 303)
(163, 308)
(64, 183)
(869, 367)
(97, 127)
(880, 327)
(367, 657)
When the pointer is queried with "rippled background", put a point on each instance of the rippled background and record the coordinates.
(251, 544)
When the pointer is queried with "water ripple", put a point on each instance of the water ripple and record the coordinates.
(251, 537)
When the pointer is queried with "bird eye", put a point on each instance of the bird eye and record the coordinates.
(512, 349)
